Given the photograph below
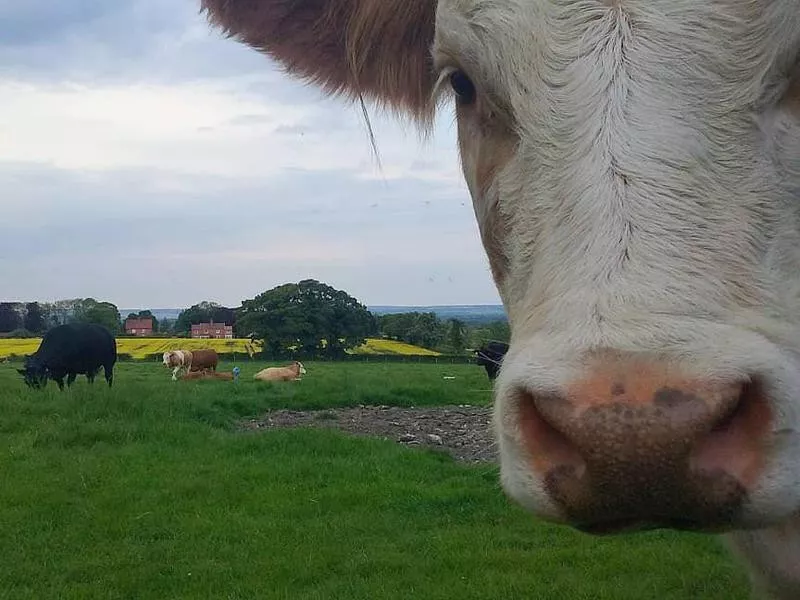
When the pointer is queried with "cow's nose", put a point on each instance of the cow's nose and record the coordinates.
(636, 446)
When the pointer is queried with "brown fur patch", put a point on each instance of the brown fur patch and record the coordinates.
(492, 144)
(204, 359)
(495, 149)
(792, 97)
(372, 48)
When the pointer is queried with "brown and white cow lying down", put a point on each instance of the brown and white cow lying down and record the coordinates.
(634, 167)
(190, 360)
(289, 373)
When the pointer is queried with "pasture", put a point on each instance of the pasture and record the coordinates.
(152, 490)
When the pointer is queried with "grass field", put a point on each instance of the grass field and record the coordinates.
(147, 491)
(141, 347)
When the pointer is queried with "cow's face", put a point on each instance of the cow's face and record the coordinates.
(635, 173)
(167, 359)
(33, 373)
(300, 368)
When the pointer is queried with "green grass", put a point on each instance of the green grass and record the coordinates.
(146, 491)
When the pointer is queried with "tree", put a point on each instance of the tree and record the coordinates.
(456, 337)
(309, 318)
(420, 329)
(498, 331)
(106, 314)
(34, 318)
(166, 326)
(204, 312)
(60, 312)
(9, 317)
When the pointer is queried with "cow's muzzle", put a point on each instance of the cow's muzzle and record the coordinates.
(635, 446)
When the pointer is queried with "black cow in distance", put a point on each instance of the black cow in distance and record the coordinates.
(491, 357)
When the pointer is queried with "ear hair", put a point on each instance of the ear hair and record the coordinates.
(379, 49)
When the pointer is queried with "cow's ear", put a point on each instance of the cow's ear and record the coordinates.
(376, 48)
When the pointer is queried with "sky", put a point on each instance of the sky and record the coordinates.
(148, 161)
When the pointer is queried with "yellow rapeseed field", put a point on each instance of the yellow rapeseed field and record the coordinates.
(141, 347)
(376, 346)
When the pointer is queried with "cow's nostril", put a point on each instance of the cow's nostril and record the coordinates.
(630, 446)
(549, 449)
(735, 445)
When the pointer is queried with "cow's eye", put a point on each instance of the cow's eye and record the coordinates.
(463, 87)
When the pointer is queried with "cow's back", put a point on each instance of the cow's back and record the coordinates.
(77, 347)
(204, 359)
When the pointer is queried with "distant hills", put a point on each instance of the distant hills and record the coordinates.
(469, 313)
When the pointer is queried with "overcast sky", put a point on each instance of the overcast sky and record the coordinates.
(147, 161)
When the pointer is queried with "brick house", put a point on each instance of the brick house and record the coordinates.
(212, 331)
(139, 327)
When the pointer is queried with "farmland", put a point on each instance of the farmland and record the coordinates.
(139, 348)
(152, 489)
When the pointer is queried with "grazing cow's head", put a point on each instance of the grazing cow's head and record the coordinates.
(171, 358)
(33, 372)
(635, 173)
(300, 367)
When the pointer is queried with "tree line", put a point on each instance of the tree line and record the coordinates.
(306, 319)
(27, 319)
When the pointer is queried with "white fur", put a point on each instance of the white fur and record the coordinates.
(178, 359)
(652, 205)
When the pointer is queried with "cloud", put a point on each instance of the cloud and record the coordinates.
(85, 234)
(150, 161)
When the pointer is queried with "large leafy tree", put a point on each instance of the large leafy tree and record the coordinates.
(309, 317)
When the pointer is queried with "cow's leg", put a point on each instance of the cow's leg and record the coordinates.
(71, 379)
(60, 382)
(108, 371)
(175, 373)
(91, 375)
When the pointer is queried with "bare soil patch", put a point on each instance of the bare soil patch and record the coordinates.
(462, 431)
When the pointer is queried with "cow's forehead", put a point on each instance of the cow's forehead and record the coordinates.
(499, 41)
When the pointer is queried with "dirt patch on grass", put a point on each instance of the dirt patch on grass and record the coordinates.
(462, 431)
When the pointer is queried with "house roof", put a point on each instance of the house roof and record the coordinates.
(144, 323)
(211, 326)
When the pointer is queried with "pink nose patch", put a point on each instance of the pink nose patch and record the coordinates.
(634, 442)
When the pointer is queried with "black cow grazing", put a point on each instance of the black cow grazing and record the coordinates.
(491, 357)
(69, 351)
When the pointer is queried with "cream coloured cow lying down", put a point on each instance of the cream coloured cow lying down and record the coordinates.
(634, 167)
(289, 373)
